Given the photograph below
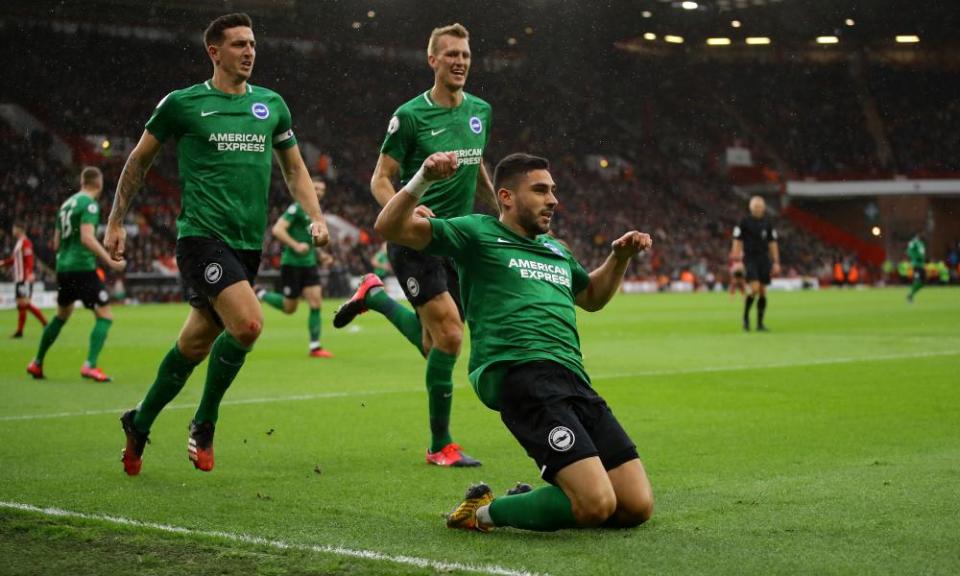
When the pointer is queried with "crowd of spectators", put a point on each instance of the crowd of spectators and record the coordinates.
(634, 143)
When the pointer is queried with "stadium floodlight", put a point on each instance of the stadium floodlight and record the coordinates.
(718, 41)
(646, 14)
(849, 22)
(688, 5)
(908, 39)
(758, 40)
(673, 39)
(735, 23)
(876, 231)
(649, 36)
(827, 40)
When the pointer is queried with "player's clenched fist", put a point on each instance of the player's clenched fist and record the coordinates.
(115, 241)
(439, 165)
(631, 244)
(319, 233)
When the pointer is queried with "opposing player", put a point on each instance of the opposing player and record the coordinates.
(442, 119)
(917, 254)
(298, 269)
(755, 242)
(227, 131)
(22, 263)
(519, 286)
(77, 279)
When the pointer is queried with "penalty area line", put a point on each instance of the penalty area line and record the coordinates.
(276, 544)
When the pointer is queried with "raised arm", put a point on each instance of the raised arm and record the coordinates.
(397, 222)
(298, 181)
(605, 280)
(131, 181)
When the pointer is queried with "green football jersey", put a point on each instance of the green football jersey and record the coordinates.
(224, 145)
(917, 252)
(518, 297)
(299, 230)
(421, 127)
(72, 255)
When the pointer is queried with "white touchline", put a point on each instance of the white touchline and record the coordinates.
(278, 544)
(611, 376)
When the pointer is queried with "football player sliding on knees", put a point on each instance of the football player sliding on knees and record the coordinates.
(515, 276)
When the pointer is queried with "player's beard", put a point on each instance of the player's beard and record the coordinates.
(529, 220)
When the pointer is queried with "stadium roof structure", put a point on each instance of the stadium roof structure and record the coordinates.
(522, 25)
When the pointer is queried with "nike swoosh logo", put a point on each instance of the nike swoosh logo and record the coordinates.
(435, 132)
(502, 241)
(210, 113)
(229, 363)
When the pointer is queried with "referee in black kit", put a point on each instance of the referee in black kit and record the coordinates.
(755, 242)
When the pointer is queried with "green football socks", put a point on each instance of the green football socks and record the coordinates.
(545, 509)
(97, 337)
(226, 359)
(400, 316)
(171, 376)
(49, 336)
(440, 395)
(274, 299)
(313, 325)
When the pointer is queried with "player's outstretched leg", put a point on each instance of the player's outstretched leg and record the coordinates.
(21, 320)
(242, 318)
(273, 299)
(132, 455)
(49, 336)
(226, 358)
(371, 296)
(443, 450)
(98, 336)
(172, 374)
(314, 328)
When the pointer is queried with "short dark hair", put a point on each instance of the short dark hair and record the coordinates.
(214, 32)
(514, 165)
(89, 175)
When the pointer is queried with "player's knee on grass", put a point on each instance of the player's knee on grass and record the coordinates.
(634, 510)
(594, 508)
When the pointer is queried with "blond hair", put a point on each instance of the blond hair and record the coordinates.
(457, 30)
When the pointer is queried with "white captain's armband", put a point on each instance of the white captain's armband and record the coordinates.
(282, 137)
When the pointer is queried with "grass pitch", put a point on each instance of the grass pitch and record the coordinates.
(828, 446)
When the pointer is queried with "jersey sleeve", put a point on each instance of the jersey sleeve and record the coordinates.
(283, 137)
(163, 123)
(738, 231)
(292, 214)
(401, 136)
(771, 233)
(581, 278)
(452, 237)
(90, 214)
